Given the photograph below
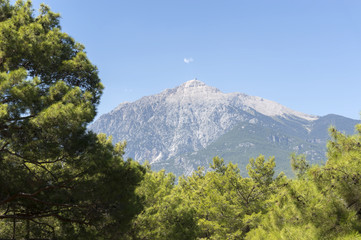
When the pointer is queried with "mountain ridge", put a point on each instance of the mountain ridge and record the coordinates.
(184, 121)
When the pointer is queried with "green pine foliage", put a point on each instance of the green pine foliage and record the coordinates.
(323, 202)
(219, 204)
(57, 179)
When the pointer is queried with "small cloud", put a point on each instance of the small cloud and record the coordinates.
(188, 60)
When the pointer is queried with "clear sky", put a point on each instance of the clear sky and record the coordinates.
(304, 54)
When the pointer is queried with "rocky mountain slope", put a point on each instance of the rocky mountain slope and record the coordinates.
(184, 127)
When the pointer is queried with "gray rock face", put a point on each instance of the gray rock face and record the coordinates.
(189, 118)
(175, 121)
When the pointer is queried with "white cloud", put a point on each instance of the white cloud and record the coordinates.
(188, 60)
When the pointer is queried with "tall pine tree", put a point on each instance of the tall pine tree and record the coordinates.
(56, 178)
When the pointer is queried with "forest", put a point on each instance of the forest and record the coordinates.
(59, 180)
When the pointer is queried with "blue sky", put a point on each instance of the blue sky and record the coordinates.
(304, 54)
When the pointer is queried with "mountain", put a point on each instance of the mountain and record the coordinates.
(182, 128)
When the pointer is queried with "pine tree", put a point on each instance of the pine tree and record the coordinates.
(56, 177)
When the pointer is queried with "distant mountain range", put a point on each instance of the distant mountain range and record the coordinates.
(182, 128)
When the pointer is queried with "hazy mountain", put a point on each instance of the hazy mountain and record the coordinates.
(182, 128)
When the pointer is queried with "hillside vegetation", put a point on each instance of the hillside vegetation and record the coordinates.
(322, 202)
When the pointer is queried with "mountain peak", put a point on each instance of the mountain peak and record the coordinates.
(195, 87)
(193, 83)
(184, 126)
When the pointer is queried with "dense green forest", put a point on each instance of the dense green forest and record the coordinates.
(60, 181)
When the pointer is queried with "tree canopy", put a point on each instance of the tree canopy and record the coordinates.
(56, 177)
(322, 202)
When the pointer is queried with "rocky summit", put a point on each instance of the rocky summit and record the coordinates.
(182, 128)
